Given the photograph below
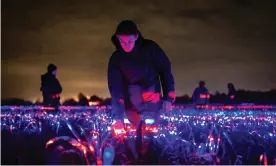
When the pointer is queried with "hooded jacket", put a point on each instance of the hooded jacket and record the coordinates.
(145, 67)
(50, 84)
(201, 95)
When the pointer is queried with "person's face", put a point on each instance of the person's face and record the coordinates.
(127, 42)
(202, 84)
(54, 72)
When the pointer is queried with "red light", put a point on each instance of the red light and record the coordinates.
(151, 97)
(119, 131)
(48, 108)
(261, 157)
(49, 142)
(204, 96)
(217, 160)
(99, 161)
(91, 148)
(151, 129)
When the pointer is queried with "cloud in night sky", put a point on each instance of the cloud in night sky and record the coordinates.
(218, 41)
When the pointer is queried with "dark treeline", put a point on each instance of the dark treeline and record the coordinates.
(242, 96)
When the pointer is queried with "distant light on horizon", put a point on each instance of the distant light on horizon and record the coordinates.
(93, 103)
(76, 98)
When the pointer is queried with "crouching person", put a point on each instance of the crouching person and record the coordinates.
(136, 71)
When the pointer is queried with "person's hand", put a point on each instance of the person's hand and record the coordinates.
(172, 95)
(151, 97)
(121, 101)
(118, 127)
(118, 109)
(167, 106)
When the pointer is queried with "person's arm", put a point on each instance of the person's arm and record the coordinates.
(54, 86)
(44, 85)
(116, 88)
(58, 87)
(165, 73)
(195, 95)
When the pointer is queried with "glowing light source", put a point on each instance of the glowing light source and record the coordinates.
(204, 96)
(149, 121)
(243, 118)
(93, 103)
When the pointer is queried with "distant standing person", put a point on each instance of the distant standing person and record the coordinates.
(50, 87)
(231, 93)
(201, 94)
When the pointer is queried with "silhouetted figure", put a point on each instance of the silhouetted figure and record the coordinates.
(50, 87)
(231, 93)
(133, 76)
(201, 94)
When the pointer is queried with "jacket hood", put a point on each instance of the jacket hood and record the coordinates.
(47, 75)
(126, 27)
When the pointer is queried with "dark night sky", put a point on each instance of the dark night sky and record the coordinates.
(218, 41)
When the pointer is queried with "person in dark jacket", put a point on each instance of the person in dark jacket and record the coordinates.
(50, 87)
(201, 94)
(136, 71)
(231, 93)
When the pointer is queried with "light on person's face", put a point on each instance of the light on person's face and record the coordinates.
(54, 72)
(127, 42)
